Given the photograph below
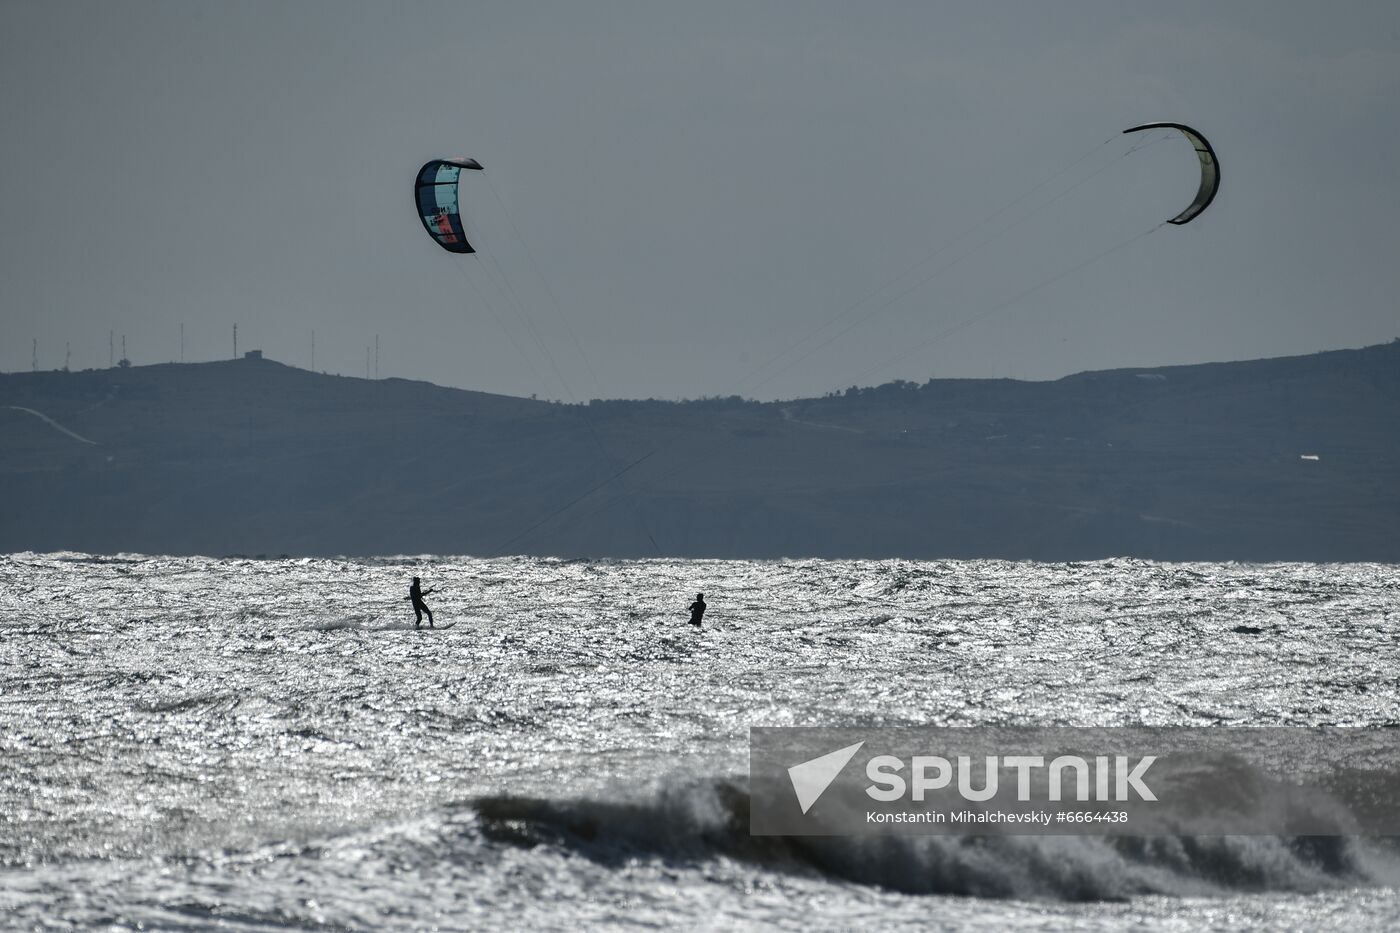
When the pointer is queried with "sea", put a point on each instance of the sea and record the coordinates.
(192, 743)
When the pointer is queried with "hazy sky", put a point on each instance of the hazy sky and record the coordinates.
(678, 192)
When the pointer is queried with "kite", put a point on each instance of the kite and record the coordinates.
(1210, 168)
(435, 193)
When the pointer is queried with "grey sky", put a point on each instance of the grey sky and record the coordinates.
(695, 187)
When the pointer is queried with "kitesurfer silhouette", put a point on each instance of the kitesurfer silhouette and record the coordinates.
(416, 594)
(697, 609)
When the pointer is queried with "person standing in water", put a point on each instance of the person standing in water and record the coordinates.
(697, 609)
(415, 595)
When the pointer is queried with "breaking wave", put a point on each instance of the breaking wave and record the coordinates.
(695, 822)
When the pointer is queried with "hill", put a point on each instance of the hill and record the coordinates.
(1282, 459)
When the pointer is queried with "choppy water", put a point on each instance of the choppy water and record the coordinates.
(189, 743)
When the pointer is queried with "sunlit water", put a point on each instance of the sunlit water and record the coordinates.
(188, 743)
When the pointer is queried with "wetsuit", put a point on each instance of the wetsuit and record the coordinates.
(419, 607)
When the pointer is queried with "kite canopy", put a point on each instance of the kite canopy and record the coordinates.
(1210, 168)
(435, 193)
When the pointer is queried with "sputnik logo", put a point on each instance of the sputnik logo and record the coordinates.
(811, 778)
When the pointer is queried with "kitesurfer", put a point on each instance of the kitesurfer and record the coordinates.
(415, 595)
(697, 609)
